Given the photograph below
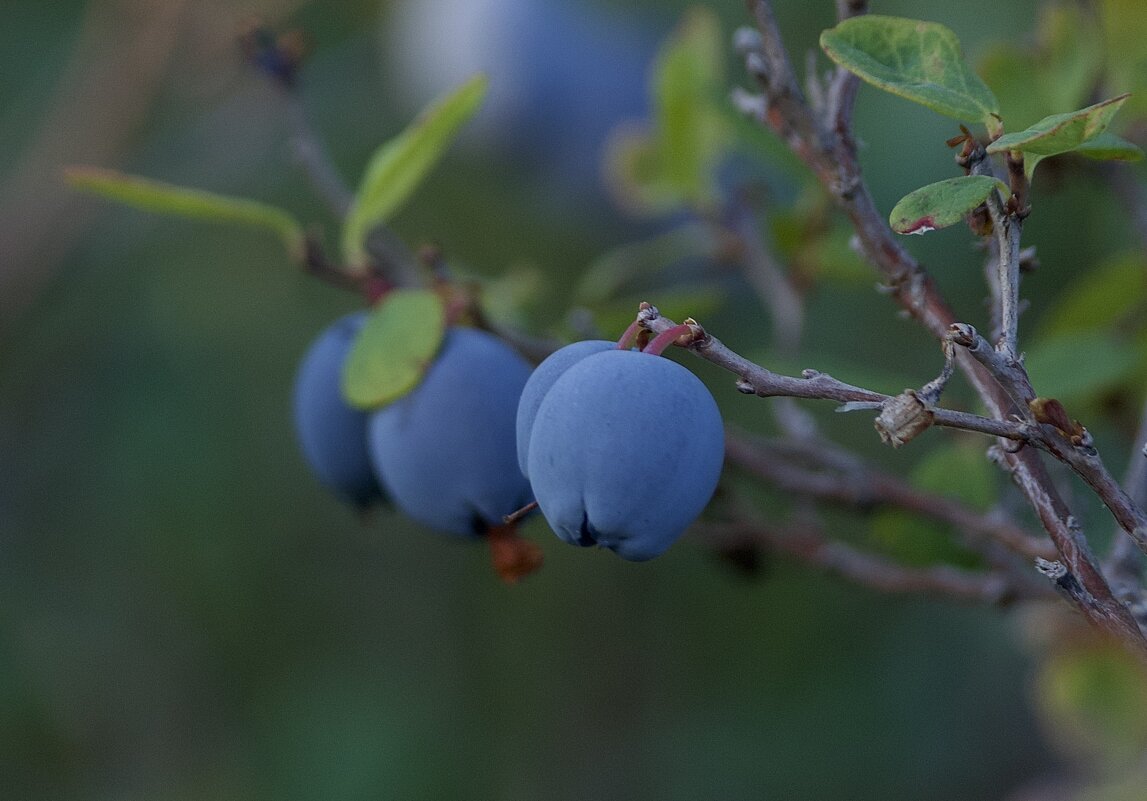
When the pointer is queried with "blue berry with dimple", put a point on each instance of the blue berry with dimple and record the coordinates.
(445, 452)
(625, 451)
(543, 377)
(332, 434)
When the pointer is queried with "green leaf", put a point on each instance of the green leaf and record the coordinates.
(1061, 133)
(1094, 698)
(1123, 23)
(1109, 147)
(635, 175)
(398, 166)
(688, 78)
(623, 266)
(1103, 298)
(942, 204)
(919, 61)
(654, 172)
(1057, 70)
(164, 198)
(394, 348)
(953, 470)
(1070, 54)
(1076, 367)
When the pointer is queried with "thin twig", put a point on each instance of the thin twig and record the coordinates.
(1007, 227)
(311, 154)
(863, 486)
(1125, 564)
(785, 304)
(753, 379)
(808, 544)
(837, 169)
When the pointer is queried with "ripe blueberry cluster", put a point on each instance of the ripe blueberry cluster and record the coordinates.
(623, 449)
(443, 454)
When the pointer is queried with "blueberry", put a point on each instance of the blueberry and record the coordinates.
(445, 452)
(331, 433)
(543, 377)
(626, 450)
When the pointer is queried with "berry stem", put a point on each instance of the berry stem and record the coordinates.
(514, 517)
(629, 336)
(666, 338)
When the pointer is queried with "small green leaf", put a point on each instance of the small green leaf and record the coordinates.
(1070, 51)
(919, 61)
(688, 78)
(635, 175)
(1109, 147)
(952, 470)
(394, 348)
(1061, 133)
(1094, 698)
(164, 198)
(942, 204)
(654, 172)
(623, 266)
(398, 166)
(1076, 367)
(1103, 298)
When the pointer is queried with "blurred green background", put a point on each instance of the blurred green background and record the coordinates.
(186, 614)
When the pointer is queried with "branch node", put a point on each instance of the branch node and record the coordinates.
(747, 40)
(903, 418)
(751, 105)
(1054, 570)
(757, 68)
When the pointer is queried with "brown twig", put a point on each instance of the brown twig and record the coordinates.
(860, 485)
(753, 379)
(833, 161)
(808, 544)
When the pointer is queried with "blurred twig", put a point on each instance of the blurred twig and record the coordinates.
(809, 544)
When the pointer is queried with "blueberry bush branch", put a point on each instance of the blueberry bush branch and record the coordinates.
(753, 379)
(807, 469)
(808, 543)
(828, 149)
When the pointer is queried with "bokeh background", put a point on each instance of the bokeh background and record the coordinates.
(185, 614)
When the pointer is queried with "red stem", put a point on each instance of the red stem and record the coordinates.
(630, 334)
(666, 338)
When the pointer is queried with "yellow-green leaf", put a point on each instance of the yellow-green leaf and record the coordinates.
(952, 470)
(398, 166)
(919, 61)
(1078, 367)
(1109, 147)
(394, 348)
(1061, 133)
(1103, 298)
(688, 79)
(653, 171)
(942, 204)
(165, 198)
(1094, 699)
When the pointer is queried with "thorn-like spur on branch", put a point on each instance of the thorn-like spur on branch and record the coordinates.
(809, 545)
(1008, 374)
